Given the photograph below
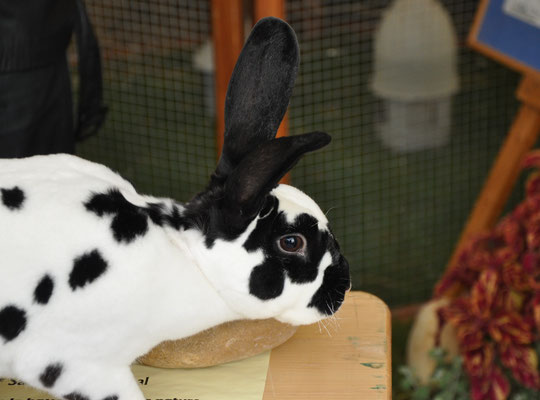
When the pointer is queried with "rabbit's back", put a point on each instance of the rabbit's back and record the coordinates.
(43, 216)
(44, 221)
(70, 279)
(57, 169)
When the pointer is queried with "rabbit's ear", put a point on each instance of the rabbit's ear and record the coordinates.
(260, 171)
(259, 90)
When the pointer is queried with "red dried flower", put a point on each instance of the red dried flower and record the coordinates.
(522, 361)
(491, 386)
(497, 318)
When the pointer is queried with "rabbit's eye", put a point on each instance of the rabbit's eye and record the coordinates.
(292, 243)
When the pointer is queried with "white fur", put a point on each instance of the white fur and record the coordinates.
(296, 202)
(166, 285)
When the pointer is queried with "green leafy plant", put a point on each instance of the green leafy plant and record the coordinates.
(450, 381)
(447, 382)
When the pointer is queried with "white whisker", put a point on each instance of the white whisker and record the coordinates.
(334, 321)
(330, 209)
(319, 323)
(325, 328)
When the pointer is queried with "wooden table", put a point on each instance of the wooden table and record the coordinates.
(348, 359)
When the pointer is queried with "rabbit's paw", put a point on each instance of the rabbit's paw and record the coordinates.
(86, 382)
(102, 383)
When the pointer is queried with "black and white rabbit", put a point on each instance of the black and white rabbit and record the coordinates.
(93, 274)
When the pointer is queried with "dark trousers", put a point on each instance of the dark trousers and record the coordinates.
(36, 112)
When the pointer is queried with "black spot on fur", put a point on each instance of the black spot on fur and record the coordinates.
(128, 225)
(111, 202)
(266, 282)
(13, 198)
(111, 398)
(130, 221)
(86, 269)
(76, 396)
(156, 212)
(336, 282)
(12, 322)
(44, 290)
(175, 219)
(50, 375)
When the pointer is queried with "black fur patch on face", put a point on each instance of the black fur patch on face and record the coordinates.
(50, 375)
(111, 398)
(86, 269)
(299, 268)
(44, 290)
(265, 282)
(76, 396)
(336, 282)
(13, 198)
(130, 221)
(12, 322)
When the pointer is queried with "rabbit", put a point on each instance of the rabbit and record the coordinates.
(94, 274)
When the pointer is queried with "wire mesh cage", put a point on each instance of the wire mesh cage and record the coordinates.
(159, 131)
(396, 214)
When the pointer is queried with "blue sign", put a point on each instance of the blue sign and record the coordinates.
(512, 29)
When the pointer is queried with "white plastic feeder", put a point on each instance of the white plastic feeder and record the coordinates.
(203, 61)
(415, 74)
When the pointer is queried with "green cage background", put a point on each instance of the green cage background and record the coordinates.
(397, 215)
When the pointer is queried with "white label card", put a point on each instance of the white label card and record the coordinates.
(525, 10)
(239, 380)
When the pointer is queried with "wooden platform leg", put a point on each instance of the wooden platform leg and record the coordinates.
(504, 173)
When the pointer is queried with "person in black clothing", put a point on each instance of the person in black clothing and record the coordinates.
(36, 108)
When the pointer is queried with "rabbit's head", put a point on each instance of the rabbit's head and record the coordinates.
(267, 248)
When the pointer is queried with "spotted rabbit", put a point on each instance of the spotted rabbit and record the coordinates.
(94, 274)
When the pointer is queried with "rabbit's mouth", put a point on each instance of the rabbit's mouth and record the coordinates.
(327, 299)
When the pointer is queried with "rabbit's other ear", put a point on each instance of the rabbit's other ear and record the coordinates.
(260, 171)
(259, 90)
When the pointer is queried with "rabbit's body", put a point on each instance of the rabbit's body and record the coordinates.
(94, 274)
(111, 313)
